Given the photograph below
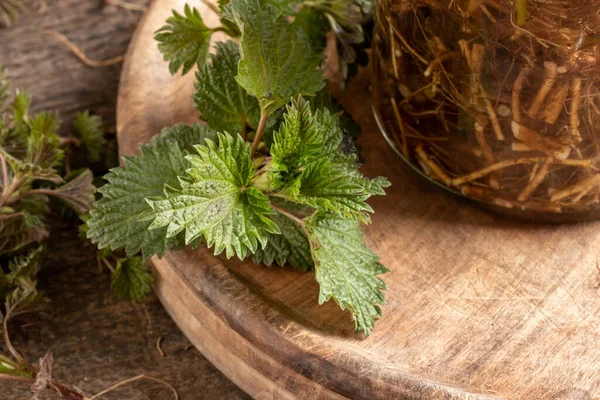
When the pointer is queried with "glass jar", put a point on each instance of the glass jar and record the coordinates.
(498, 100)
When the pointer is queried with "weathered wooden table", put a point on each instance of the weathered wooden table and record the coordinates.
(478, 307)
(96, 339)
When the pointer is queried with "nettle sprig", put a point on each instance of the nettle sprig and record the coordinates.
(33, 176)
(271, 175)
(31, 161)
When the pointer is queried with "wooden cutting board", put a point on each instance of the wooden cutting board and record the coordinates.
(479, 306)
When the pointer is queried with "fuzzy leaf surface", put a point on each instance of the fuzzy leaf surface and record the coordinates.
(77, 193)
(281, 7)
(346, 269)
(277, 61)
(115, 222)
(305, 136)
(20, 231)
(30, 143)
(222, 102)
(91, 132)
(132, 279)
(285, 7)
(25, 300)
(337, 187)
(310, 166)
(184, 40)
(291, 246)
(227, 23)
(24, 268)
(43, 144)
(215, 201)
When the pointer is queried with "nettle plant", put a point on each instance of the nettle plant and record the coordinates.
(272, 174)
(35, 180)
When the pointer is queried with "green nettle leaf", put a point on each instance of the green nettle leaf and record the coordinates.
(77, 193)
(280, 7)
(18, 286)
(20, 107)
(228, 25)
(223, 104)
(288, 143)
(216, 202)
(304, 137)
(310, 167)
(340, 188)
(346, 269)
(184, 41)
(25, 300)
(91, 132)
(20, 231)
(324, 100)
(285, 7)
(12, 143)
(34, 204)
(187, 137)
(34, 172)
(277, 60)
(43, 145)
(132, 279)
(291, 246)
(23, 268)
(314, 24)
(114, 221)
(31, 143)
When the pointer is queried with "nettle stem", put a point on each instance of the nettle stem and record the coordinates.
(288, 214)
(10, 216)
(16, 355)
(4, 172)
(9, 190)
(218, 29)
(264, 117)
(521, 12)
(64, 391)
(293, 217)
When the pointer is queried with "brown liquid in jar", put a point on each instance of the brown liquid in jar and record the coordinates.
(498, 100)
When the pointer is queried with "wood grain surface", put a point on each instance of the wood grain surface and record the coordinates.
(97, 340)
(479, 306)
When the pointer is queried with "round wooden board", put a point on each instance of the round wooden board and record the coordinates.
(478, 306)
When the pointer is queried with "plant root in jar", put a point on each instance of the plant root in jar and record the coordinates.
(496, 99)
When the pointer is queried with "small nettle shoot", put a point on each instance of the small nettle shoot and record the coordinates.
(35, 180)
(33, 170)
(270, 176)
